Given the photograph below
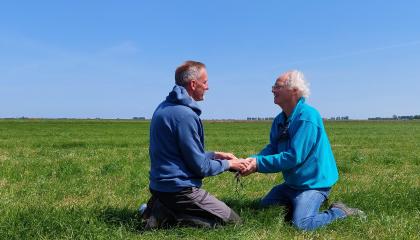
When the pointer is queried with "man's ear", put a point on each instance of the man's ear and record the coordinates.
(193, 84)
(295, 91)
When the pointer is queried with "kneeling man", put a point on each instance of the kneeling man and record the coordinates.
(179, 161)
(300, 149)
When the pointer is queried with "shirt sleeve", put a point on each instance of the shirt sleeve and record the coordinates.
(195, 158)
(267, 150)
(301, 145)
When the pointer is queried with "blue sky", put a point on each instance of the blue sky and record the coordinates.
(116, 59)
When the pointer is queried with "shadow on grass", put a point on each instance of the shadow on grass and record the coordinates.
(122, 217)
(242, 203)
(248, 209)
(251, 209)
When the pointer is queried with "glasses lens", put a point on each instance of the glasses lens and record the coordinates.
(276, 87)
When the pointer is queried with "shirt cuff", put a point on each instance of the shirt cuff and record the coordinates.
(257, 161)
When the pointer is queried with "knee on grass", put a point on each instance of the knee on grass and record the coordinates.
(303, 224)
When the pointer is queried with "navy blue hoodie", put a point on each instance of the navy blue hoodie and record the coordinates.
(177, 155)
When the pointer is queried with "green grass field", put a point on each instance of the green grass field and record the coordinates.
(81, 179)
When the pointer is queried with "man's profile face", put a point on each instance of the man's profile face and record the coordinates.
(280, 91)
(201, 86)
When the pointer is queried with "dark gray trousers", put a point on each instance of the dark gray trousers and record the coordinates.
(191, 206)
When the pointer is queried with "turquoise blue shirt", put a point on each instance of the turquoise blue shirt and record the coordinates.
(300, 149)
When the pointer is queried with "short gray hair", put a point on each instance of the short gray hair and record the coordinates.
(188, 71)
(296, 79)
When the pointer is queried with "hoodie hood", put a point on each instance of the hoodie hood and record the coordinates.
(179, 95)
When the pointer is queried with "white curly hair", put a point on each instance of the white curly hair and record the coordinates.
(296, 79)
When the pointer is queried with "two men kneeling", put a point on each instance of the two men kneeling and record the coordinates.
(299, 148)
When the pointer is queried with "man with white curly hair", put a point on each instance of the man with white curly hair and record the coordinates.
(300, 149)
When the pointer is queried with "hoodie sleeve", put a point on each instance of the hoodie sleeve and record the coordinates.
(210, 155)
(195, 158)
(300, 147)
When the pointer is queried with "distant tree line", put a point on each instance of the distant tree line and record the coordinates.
(139, 118)
(395, 117)
(259, 118)
(340, 118)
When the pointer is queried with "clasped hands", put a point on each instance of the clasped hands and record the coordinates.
(243, 166)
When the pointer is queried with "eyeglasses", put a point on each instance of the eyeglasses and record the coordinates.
(277, 87)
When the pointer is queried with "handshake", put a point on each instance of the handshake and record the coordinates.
(243, 166)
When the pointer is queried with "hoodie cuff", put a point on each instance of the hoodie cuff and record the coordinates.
(225, 164)
(210, 155)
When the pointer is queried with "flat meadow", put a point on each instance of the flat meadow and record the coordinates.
(84, 179)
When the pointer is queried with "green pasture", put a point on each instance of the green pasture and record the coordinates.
(84, 179)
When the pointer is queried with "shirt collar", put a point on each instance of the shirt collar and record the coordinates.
(295, 109)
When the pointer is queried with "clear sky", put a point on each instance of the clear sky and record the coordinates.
(116, 59)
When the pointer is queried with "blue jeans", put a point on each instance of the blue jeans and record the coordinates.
(304, 206)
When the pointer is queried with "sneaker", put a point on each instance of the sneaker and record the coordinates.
(158, 216)
(348, 210)
(142, 209)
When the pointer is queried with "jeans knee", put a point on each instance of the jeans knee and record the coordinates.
(265, 203)
(262, 204)
(302, 224)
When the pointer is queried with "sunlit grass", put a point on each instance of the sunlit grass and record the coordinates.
(85, 179)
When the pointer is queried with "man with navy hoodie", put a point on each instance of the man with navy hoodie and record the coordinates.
(300, 149)
(179, 161)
